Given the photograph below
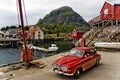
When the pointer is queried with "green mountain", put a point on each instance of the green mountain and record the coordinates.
(64, 16)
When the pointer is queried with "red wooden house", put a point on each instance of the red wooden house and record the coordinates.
(109, 11)
(76, 33)
(20, 34)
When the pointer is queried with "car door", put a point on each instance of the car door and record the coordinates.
(88, 61)
(93, 56)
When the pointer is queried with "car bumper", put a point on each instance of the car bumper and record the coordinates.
(60, 72)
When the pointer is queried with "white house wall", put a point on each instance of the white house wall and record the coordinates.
(37, 34)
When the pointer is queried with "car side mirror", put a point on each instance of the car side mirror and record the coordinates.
(92, 51)
(84, 56)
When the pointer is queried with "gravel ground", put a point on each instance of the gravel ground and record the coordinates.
(109, 69)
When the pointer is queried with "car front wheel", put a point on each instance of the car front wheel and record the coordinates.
(77, 73)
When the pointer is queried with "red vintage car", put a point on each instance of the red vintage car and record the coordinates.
(78, 60)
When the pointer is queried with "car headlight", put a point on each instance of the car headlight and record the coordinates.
(64, 68)
(54, 65)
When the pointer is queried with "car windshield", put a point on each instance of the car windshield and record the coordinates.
(76, 52)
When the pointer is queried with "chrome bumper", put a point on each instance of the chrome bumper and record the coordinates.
(60, 72)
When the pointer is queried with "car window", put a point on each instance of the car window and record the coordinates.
(76, 52)
(92, 51)
(87, 53)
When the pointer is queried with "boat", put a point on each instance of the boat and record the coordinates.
(53, 47)
(114, 45)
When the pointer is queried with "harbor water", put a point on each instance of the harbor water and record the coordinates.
(13, 55)
(9, 56)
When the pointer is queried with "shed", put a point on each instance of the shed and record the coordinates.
(109, 12)
(76, 33)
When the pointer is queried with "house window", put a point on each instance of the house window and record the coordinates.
(106, 11)
(118, 22)
(39, 34)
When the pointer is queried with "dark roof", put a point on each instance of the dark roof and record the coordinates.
(12, 31)
(1, 32)
(117, 4)
(113, 2)
(81, 30)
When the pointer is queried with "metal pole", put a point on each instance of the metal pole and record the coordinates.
(23, 31)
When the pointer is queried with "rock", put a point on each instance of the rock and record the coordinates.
(109, 34)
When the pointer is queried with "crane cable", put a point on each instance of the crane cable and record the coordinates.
(18, 16)
(25, 14)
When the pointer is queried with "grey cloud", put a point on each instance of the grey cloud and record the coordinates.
(39, 8)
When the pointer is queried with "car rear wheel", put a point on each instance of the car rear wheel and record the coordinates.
(77, 73)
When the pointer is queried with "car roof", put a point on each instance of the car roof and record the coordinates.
(81, 48)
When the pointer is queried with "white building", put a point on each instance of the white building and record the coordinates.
(2, 34)
(35, 32)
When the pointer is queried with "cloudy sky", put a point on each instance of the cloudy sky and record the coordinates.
(36, 9)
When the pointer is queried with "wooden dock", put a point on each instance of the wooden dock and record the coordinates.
(8, 42)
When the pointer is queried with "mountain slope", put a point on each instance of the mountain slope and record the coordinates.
(63, 16)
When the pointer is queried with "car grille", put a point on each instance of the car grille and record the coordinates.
(58, 67)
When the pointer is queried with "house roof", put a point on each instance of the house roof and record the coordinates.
(12, 31)
(35, 29)
(1, 32)
(32, 30)
(114, 1)
(80, 30)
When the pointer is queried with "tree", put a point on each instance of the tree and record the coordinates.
(3, 28)
(12, 27)
(56, 29)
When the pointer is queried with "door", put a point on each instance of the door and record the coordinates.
(88, 61)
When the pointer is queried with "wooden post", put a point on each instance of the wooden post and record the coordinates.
(102, 23)
(111, 22)
(116, 22)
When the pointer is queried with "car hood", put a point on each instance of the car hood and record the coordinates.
(68, 60)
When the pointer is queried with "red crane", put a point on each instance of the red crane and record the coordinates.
(23, 32)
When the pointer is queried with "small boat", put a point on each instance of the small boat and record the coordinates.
(50, 49)
(53, 47)
(114, 45)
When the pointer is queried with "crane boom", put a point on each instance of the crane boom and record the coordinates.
(98, 32)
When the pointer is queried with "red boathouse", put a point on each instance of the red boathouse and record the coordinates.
(109, 12)
(76, 34)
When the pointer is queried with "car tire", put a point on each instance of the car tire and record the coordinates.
(77, 73)
(97, 63)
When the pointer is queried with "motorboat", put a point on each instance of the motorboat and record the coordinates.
(107, 44)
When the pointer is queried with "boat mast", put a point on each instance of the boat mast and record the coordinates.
(23, 31)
